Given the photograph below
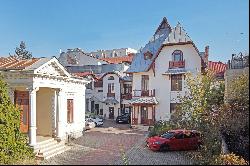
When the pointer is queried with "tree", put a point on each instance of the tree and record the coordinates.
(199, 109)
(13, 144)
(21, 52)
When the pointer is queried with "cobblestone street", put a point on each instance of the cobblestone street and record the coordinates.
(106, 146)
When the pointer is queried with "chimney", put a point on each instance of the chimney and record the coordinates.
(206, 54)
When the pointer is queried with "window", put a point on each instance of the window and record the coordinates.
(70, 110)
(111, 78)
(101, 111)
(127, 88)
(176, 82)
(100, 90)
(111, 87)
(174, 107)
(177, 55)
(89, 85)
(145, 82)
(179, 136)
(148, 55)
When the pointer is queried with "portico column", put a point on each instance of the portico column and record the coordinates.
(60, 115)
(32, 124)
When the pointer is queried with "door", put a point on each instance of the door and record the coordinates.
(111, 112)
(97, 109)
(144, 114)
(92, 106)
(21, 100)
(145, 85)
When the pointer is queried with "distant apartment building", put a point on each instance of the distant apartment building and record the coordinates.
(113, 53)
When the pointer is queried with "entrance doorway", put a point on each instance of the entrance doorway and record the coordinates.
(111, 112)
(144, 114)
(21, 99)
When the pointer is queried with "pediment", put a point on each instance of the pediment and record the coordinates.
(53, 68)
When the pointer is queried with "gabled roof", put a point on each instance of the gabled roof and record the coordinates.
(218, 68)
(139, 64)
(167, 37)
(12, 63)
(116, 60)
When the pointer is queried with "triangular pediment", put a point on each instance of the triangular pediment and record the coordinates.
(52, 68)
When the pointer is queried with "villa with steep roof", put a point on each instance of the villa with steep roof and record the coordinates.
(159, 72)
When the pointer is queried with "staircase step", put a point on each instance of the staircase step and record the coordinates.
(56, 152)
(50, 147)
(44, 146)
(45, 142)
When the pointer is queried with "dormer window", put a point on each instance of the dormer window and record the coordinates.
(111, 78)
(148, 55)
(177, 55)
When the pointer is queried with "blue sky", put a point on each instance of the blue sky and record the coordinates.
(49, 25)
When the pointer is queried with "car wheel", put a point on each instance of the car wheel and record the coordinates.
(164, 148)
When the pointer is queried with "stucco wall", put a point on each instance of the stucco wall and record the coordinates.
(44, 111)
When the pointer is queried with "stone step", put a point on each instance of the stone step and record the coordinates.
(45, 145)
(56, 151)
(45, 142)
(49, 147)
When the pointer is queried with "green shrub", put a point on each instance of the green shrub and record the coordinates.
(13, 144)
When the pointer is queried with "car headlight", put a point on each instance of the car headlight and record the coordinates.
(157, 142)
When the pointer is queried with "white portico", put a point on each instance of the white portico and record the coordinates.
(52, 102)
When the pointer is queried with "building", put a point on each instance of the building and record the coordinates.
(238, 65)
(50, 99)
(112, 53)
(159, 72)
(109, 92)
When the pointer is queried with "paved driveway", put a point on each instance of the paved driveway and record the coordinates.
(114, 144)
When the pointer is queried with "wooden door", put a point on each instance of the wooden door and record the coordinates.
(22, 101)
(144, 115)
(111, 112)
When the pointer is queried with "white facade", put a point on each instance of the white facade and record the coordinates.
(49, 87)
(112, 53)
(161, 81)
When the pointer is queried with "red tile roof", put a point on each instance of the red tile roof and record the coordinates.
(13, 63)
(217, 67)
(116, 60)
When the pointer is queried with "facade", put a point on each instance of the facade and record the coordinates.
(50, 99)
(159, 72)
(109, 93)
(112, 53)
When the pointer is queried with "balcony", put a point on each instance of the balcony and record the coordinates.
(127, 96)
(176, 64)
(111, 95)
(144, 93)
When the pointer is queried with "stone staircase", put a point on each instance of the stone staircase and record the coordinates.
(49, 148)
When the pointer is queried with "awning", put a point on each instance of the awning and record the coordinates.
(175, 71)
(110, 101)
(94, 98)
(144, 100)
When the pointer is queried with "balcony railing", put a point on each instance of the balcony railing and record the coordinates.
(144, 93)
(176, 64)
(127, 96)
(110, 94)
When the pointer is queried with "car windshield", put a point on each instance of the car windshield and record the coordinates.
(168, 135)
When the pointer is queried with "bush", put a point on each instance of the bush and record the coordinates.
(231, 159)
(160, 127)
(13, 144)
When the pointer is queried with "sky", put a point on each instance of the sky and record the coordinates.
(47, 26)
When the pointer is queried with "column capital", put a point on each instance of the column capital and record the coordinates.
(33, 89)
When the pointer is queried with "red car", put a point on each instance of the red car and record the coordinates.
(175, 140)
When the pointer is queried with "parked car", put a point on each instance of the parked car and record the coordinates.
(97, 120)
(125, 118)
(175, 140)
(89, 124)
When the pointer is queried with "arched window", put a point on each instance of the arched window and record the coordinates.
(177, 55)
(111, 78)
